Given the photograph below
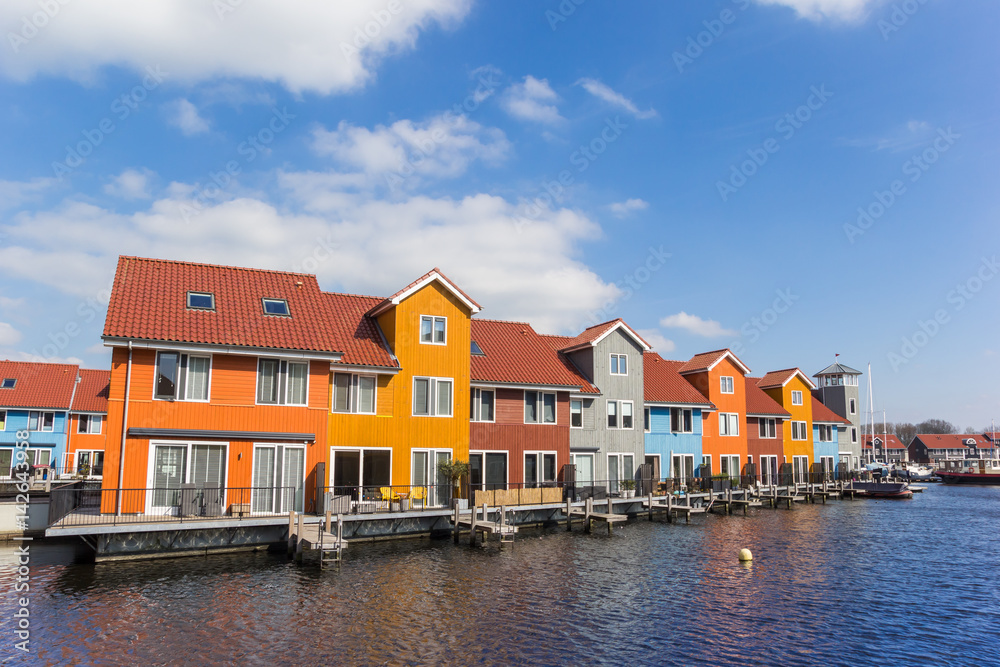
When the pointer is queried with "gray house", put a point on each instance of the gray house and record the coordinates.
(606, 437)
(837, 389)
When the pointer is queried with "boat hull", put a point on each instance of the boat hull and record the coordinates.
(884, 490)
(979, 478)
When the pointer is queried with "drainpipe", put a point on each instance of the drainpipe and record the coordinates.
(69, 418)
(121, 450)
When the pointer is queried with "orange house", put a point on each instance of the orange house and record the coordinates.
(401, 408)
(220, 388)
(721, 378)
(792, 389)
(87, 432)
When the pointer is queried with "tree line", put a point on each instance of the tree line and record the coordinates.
(905, 431)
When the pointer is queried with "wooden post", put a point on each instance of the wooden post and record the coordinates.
(291, 532)
(611, 506)
(588, 510)
(472, 525)
(670, 507)
(569, 520)
(650, 499)
(329, 520)
(729, 500)
(454, 528)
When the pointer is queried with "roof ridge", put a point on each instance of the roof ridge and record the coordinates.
(216, 266)
(489, 319)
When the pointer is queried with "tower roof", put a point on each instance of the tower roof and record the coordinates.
(837, 369)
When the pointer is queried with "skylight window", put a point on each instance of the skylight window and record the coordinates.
(8, 383)
(276, 307)
(201, 300)
(476, 350)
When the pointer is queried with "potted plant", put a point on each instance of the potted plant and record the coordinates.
(83, 471)
(628, 488)
(455, 470)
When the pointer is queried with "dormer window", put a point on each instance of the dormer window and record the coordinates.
(796, 398)
(8, 383)
(434, 330)
(619, 364)
(726, 384)
(201, 300)
(276, 307)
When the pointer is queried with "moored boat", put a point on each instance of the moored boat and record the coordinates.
(899, 490)
(969, 476)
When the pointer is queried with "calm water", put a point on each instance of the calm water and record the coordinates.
(852, 583)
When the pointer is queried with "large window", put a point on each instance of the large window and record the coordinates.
(729, 423)
(683, 467)
(488, 470)
(620, 467)
(619, 364)
(175, 464)
(89, 424)
(539, 468)
(354, 393)
(576, 413)
(766, 427)
(681, 420)
(800, 468)
(89, 462)
(539, 408)
(279, 478)
(825, 433)
(726, 384)
(730, 465)
(796, 398)
(281, 382)
(41, 421)
(181, 377)
(483, 405)
(768, 469)
(620, 414)
(433, 330)
(432, 397)
(799, 431)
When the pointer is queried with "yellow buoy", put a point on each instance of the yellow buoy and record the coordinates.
(745, 555)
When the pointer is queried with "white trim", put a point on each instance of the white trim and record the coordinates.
(274, 299)
(619, 415)
(805, 427)
(723, 383)
(256, 388)
(731, 418)
(540, 465)
(274, 481)
(353, 396)
(90, 418)
(796, 371)
(689, 406)
(432, 396)
(620, 355)
(151, 472)
(198, 348)
(361, 461)
(483, 453)
(801, 397)
(420, 284)
(571, 401)
(647, 416)
(768, 422)
(434, 320)
(484, 384)
(477, 406)
(723, 355)
(361, 369)
(540, 407)
(618, 325)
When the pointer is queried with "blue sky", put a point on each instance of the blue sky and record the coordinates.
(700, 169)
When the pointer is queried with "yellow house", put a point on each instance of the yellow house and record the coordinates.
(400, 394)
(793, 390)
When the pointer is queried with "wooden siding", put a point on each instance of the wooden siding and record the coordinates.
(758, 446)
(783, 395)
(708, 384)
(77, 441)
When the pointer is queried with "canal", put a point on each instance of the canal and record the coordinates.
(846, 583)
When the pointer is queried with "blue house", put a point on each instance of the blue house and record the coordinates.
(672, 419)
(35, 399)
(827, 428)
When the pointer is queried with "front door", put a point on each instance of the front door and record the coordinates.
(169, 468)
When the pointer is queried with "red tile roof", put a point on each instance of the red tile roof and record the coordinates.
(890, 440)
(780, 378)
(149, 302)
(707, 360)
(433, 274)
(516, 354)
(664, 384)
(759, 404)
(591, 334)
(38, 385)
(92, 391)
(825, 415)
(952, 440)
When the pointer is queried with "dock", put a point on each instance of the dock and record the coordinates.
(502, 527)
(326, 539)
(589, 516)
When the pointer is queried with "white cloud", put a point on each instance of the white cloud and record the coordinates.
(353, 242)
(441, 147)
(130, 184)
(532, 100)
(184, 116)
(7, 302)
(657, 341)
(15, 193)
(28, 356)
(98, 348)
(322, 47)
(9, 335)
(695, 325)
(846, 10)
(604, 92)
(622, 208)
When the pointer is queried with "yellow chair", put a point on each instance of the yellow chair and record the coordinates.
(416, 493)
(387, 493)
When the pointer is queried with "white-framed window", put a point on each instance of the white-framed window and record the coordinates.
(646, 420)
(800, 468)
(796, 397)
(766, 427)
(277, 307)
(619, 364)
(182, 377)
(620, 414)
(620, 467)
(576, 413)
(825, 432)
(201, 301)
(726, 384)
(539, 468)
(488, 470)
(729, 423)
(433, 330)
(432, 397)
(354, 393)
(799, 431)
(768, 469)
(681, 420)
(682, 467)
(172, 464)
(282, 382)
(854, 435)
(89, 424)
(539, 407)
(41, 421)
(730, 465)
(8, 383)
(706, 464)
(852, 406)
(89, 462)
(3, 421)
(279, 478)
(483, 408)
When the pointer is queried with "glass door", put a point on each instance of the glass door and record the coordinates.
(262, 493)
(441, 493)
(169, 469)
(293, 480)
(613, 473)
